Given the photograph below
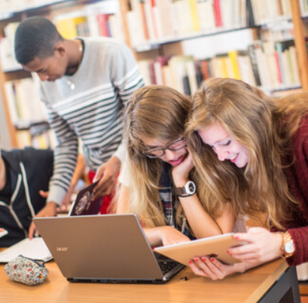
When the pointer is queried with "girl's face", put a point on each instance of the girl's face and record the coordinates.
(224, 145)
(174, 152)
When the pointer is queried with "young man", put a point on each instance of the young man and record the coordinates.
(85, 84)
(23, 174)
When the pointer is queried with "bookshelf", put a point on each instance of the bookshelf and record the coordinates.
(26, 119)
(267, 16)
(185, 48)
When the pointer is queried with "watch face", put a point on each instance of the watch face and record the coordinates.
(191, 187)
(289, 247)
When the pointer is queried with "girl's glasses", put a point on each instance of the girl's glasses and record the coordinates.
(159, 152)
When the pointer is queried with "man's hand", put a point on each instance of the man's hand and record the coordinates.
(64, 206)
(48, 211)
(107, 175)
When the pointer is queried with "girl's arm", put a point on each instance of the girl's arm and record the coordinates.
(157, 236)
(199, 220)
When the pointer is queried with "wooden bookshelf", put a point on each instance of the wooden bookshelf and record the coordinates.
(50, 10)
(164, 47)
(300, 43)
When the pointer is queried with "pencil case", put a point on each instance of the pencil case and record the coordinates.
(25, 270)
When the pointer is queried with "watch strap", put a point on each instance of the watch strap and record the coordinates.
(187, 190)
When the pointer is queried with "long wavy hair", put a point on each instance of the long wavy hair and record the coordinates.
(154, 112)
(265, 127)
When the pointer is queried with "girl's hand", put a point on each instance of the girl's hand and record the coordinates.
(170, 235)
(263, 246)
(180, 173)
(214, 269)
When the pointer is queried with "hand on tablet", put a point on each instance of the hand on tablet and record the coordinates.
(262, 246)
(164, 235)
(214, 269)
(170, 235)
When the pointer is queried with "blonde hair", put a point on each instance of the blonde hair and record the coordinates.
(155, 112)
(264, 126)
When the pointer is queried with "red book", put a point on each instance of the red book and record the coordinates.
(103, 25)
(278, 67)
(217, 12)
(144, 22)
(205, 70)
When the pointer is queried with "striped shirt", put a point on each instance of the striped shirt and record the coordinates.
(93, 111)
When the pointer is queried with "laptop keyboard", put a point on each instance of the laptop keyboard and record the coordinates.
(167, 266)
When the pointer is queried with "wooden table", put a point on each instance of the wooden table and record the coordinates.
(267, 284)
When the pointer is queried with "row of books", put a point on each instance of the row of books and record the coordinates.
(268, 65)
(7, 56)
(267, 11)
(97, 19)
(158, 21)
(24, 104)
(101, 24)
(304, 7)
(42, 140)
(13, 6)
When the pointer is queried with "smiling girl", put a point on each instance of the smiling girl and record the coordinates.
(252, 151)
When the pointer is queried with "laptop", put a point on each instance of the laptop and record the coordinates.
(105, 249)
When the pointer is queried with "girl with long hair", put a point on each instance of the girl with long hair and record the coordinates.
(158, 180)
(252, 151)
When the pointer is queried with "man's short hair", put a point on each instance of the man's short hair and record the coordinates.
(35, 37)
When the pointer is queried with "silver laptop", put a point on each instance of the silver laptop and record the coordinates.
(105, 248)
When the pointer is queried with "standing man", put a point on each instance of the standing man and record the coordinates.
(85, 83)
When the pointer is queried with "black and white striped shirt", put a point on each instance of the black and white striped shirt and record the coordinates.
(93, 111)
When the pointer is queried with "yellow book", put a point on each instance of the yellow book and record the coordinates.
(67, 27)
(233, 57)
(194, 14)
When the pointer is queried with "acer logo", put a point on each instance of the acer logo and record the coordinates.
(62, 248)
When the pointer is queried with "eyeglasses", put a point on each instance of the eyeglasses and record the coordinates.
(159, 152)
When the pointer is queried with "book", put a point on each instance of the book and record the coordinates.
(184, 17)
(194, 15)
(254, 63)
(233, 55)
(67, 25)
(34, 249)
(103, 25)
(245, 68)
(217, 12)
(206, 17)
(84, 205)
(192, 76)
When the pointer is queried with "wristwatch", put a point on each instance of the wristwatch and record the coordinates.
(187, 190)
(288, 247)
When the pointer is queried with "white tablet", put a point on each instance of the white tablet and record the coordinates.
(216, 247)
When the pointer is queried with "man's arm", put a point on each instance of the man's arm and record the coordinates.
(126, 79)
